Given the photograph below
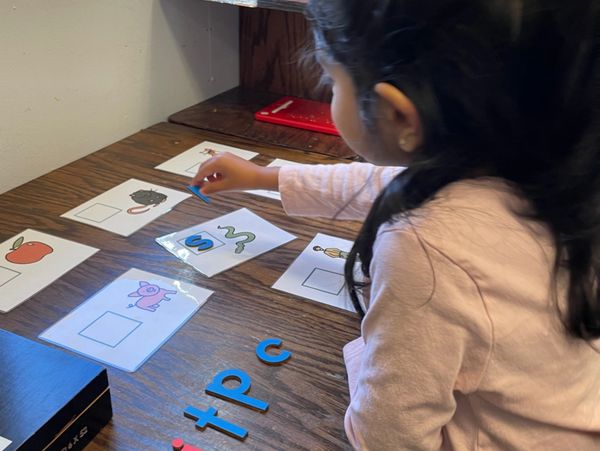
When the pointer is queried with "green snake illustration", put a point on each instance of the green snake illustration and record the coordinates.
(240, 245)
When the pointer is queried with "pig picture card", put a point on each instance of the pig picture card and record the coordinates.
(188, 162)
(33, 260)
(127, 207)
(222, 243)
(278, 162)
(318, 273)
(128, 320)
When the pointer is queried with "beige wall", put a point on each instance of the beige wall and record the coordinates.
(77, 75)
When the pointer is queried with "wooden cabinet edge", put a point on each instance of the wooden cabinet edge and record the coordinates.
(283, 5)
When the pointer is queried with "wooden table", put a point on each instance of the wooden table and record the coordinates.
(307, 395)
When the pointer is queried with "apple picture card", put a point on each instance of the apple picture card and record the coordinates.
(33, 260)
(188, 162)
(224, 242)
(127, 207)
(318, 273)
(128, 320)
(268, 193)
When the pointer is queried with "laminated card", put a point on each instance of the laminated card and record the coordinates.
(128, 320)
(33, 260)
(318, 273)
(224, 242)
(188, 162)
(127, 207)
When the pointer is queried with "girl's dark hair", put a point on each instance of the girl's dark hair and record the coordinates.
(511, 87)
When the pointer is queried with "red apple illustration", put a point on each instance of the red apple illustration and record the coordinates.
(30, 252)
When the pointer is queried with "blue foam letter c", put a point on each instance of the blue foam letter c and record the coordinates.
(261, 352)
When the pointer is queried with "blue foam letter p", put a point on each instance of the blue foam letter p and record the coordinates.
(237, 394)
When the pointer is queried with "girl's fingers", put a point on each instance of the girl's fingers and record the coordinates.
(206, 169)
(220, 173)
(209, 187)
(215, 177)
(210, 183)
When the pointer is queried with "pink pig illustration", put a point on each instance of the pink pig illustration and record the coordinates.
(150, 296)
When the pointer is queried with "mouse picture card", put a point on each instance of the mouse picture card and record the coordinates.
(127, 207)
(32, 260)
(222, 243)
(128, 320)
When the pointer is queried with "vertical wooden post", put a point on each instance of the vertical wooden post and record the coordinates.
(272, 46)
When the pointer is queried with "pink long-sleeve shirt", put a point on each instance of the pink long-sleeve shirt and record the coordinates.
(462, 347)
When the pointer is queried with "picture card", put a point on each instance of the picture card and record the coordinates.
(222, 243)
(127, 321)
(33, 260)
(127, 207)
(318, 273)
(188, 162)
(268, 193)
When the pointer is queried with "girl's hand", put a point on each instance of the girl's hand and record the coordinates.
(228, 172)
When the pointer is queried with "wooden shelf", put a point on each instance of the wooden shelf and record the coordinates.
(232, 113)
(283, 5)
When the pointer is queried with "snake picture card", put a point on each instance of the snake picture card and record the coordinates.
(188, 162)
(318, 272)
(129, 319)
(222, 243)
(278, 162)
(127, 207)
(32, 260)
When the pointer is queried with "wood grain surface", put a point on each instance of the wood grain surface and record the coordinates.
(232, 114)
(276, 55)
(307, 396)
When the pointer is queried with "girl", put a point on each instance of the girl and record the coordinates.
(483, 255)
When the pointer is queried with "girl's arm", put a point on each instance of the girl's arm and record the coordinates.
(426, 335)
(228, 172)
(345, 190)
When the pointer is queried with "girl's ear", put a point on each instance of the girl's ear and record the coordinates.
(402, 115)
